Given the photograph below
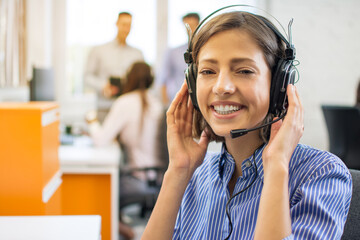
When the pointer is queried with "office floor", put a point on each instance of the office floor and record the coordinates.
(135, 221)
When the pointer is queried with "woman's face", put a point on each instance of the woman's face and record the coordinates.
(233, 82)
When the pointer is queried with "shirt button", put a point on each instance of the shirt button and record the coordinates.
(248, 164)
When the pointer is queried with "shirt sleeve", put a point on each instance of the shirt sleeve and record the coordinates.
(291, 237)
(320, 205)
(176, 234)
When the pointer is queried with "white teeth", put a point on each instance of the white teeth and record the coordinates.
(227, 109)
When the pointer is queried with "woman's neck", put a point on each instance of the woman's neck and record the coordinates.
(242, 148)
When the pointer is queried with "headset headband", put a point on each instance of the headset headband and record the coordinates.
(289, 52)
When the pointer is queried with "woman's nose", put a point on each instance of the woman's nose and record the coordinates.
(224, 84)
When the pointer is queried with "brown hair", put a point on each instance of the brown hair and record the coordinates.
(124, 13)
(139, 78)
(272, 46)
(192, 15)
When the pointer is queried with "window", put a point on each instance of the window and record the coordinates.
(92, 22)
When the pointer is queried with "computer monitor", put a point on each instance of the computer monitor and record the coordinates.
(42, 85)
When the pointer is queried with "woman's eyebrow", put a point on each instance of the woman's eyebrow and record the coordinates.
(241, 60)
(234, 60)
(208, 60)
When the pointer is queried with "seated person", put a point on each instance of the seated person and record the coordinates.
(133, 119)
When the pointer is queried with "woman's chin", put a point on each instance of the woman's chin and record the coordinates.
(222, 132)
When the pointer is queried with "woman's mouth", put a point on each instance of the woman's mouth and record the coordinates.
(226, 109)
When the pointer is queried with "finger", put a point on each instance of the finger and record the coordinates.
(275, 127)
(292, 98)
(296, 106)
(204, 139)
(181, 110)
(294, 109)
(300, 104)
(170, 114)
(294, 120)
(189, 118)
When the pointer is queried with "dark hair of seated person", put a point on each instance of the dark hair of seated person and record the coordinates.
(139, 78)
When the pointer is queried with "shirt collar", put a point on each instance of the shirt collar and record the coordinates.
(116, 43)
(227, 158)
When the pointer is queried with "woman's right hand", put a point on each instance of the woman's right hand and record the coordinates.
(185, 153)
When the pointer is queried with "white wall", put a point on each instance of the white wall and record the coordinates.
(326, 34)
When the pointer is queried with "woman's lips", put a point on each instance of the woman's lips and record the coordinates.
(226, 109)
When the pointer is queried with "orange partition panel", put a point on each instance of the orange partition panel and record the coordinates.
(88, 194)
(29, 141)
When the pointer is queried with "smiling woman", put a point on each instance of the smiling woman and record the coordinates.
(262, 185)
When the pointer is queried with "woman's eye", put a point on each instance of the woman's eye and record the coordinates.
(245, 71)
(206, 72)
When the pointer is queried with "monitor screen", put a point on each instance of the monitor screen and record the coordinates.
(42, 85)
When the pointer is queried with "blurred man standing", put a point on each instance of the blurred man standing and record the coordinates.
(107, 65)
(171, 75)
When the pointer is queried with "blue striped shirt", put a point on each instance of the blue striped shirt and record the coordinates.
(320, 188)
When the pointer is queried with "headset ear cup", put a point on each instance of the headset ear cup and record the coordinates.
(282, 76)
(191, 75)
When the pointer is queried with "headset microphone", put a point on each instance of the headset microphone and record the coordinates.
(241, 132)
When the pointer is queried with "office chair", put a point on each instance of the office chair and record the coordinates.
(351, 229)
(137, 190)
(343, 125)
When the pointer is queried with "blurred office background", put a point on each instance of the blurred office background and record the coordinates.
(58, 34)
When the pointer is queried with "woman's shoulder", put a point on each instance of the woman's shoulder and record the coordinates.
(211, 158)
(156, 107)
(153, 97)
(308, 162)
(127, 99)
(130, 95)
(305, 155)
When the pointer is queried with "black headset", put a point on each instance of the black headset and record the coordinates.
(283, 74)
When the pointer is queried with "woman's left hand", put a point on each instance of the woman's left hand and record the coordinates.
(285, 134)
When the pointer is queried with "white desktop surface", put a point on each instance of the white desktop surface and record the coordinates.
(50, 227)
(85, 154)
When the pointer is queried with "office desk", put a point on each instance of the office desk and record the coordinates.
(91, 184)
(50, 227)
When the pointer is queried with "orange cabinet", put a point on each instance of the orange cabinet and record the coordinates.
(91, 183)
(89, 194)
(30, 177)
